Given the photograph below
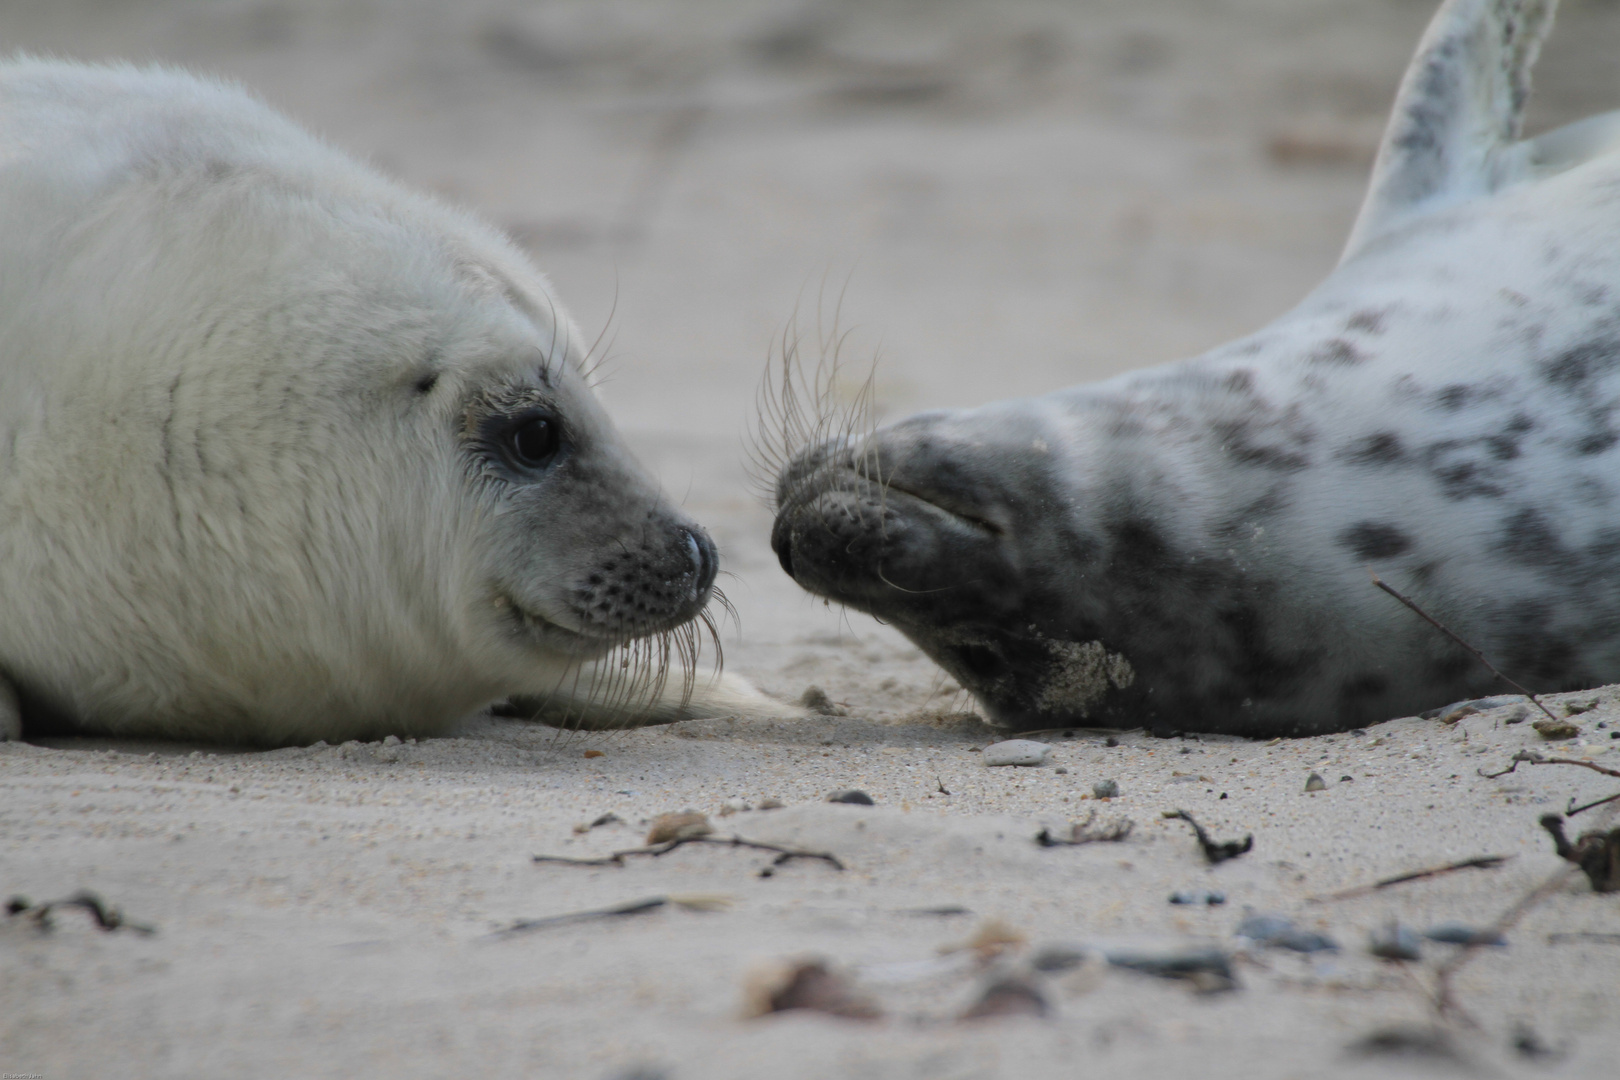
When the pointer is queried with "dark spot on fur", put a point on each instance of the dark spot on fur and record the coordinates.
(1338, 351)
(1261, 509)
(1573, 368)
(1502, 447)
(1375, 540)
(1370, 321)
(1240, 381)
(1236, 440)
(1461, 481)
(1453, 397)
(1382, 448)
(1533, 650)
(1596, 443)
(1527, 538)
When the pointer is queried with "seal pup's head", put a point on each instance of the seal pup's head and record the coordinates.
(293, 453)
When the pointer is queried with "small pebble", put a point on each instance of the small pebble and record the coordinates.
(1207, 967)
(1456, 933)
(1205, 897)
(1058, 958)
(1010, 996)
(391, 740)
(1110, 741)
(1061, 770)
(1279, 932)
(771, 804)
(1314, 782)
(1557, 729)
(1105, 789)
(1017, 752)
(853, 796)
(1396, 942)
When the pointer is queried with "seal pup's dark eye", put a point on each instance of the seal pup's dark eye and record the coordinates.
(426, 383)
(534, 441)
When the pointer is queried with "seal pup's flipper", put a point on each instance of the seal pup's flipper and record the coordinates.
(1453, 133)
(580, 704)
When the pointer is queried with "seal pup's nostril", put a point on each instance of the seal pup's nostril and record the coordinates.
(705, 562)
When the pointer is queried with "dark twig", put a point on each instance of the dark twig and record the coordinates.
(1479, 862)
(1571, 809)
(1597, 937)
(634, 907)
(106, 918)
(1081, 832)
(1213, 851)
(1477, 655)
(1533, 758)
(783, 854)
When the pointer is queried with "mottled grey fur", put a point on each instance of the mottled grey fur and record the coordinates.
(1442, 410)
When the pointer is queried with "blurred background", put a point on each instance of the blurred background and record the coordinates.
(1009, 196)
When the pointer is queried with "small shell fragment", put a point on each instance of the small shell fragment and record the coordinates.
(852, 796)
(1314, 782)
(1025, 752)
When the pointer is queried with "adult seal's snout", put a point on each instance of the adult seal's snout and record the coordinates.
(1189, 546)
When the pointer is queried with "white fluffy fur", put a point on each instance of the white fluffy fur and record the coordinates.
(221, 516)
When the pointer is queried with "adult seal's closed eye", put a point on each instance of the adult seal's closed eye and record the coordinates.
(1189, 546)
(290, 453)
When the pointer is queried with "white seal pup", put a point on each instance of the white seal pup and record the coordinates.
(1188, 547)
(290, 453)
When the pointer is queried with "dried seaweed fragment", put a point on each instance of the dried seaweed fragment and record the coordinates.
(1597, 853)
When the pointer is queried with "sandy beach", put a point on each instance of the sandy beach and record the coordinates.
(994, 199)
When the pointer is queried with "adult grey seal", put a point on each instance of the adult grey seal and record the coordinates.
(1188, 547)
(289, 453)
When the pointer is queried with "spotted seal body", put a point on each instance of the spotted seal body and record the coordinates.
(1190, 546)
(290, 453)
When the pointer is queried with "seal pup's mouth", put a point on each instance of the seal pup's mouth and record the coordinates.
(549, 636)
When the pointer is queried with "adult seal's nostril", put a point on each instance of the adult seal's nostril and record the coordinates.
(782, 544)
